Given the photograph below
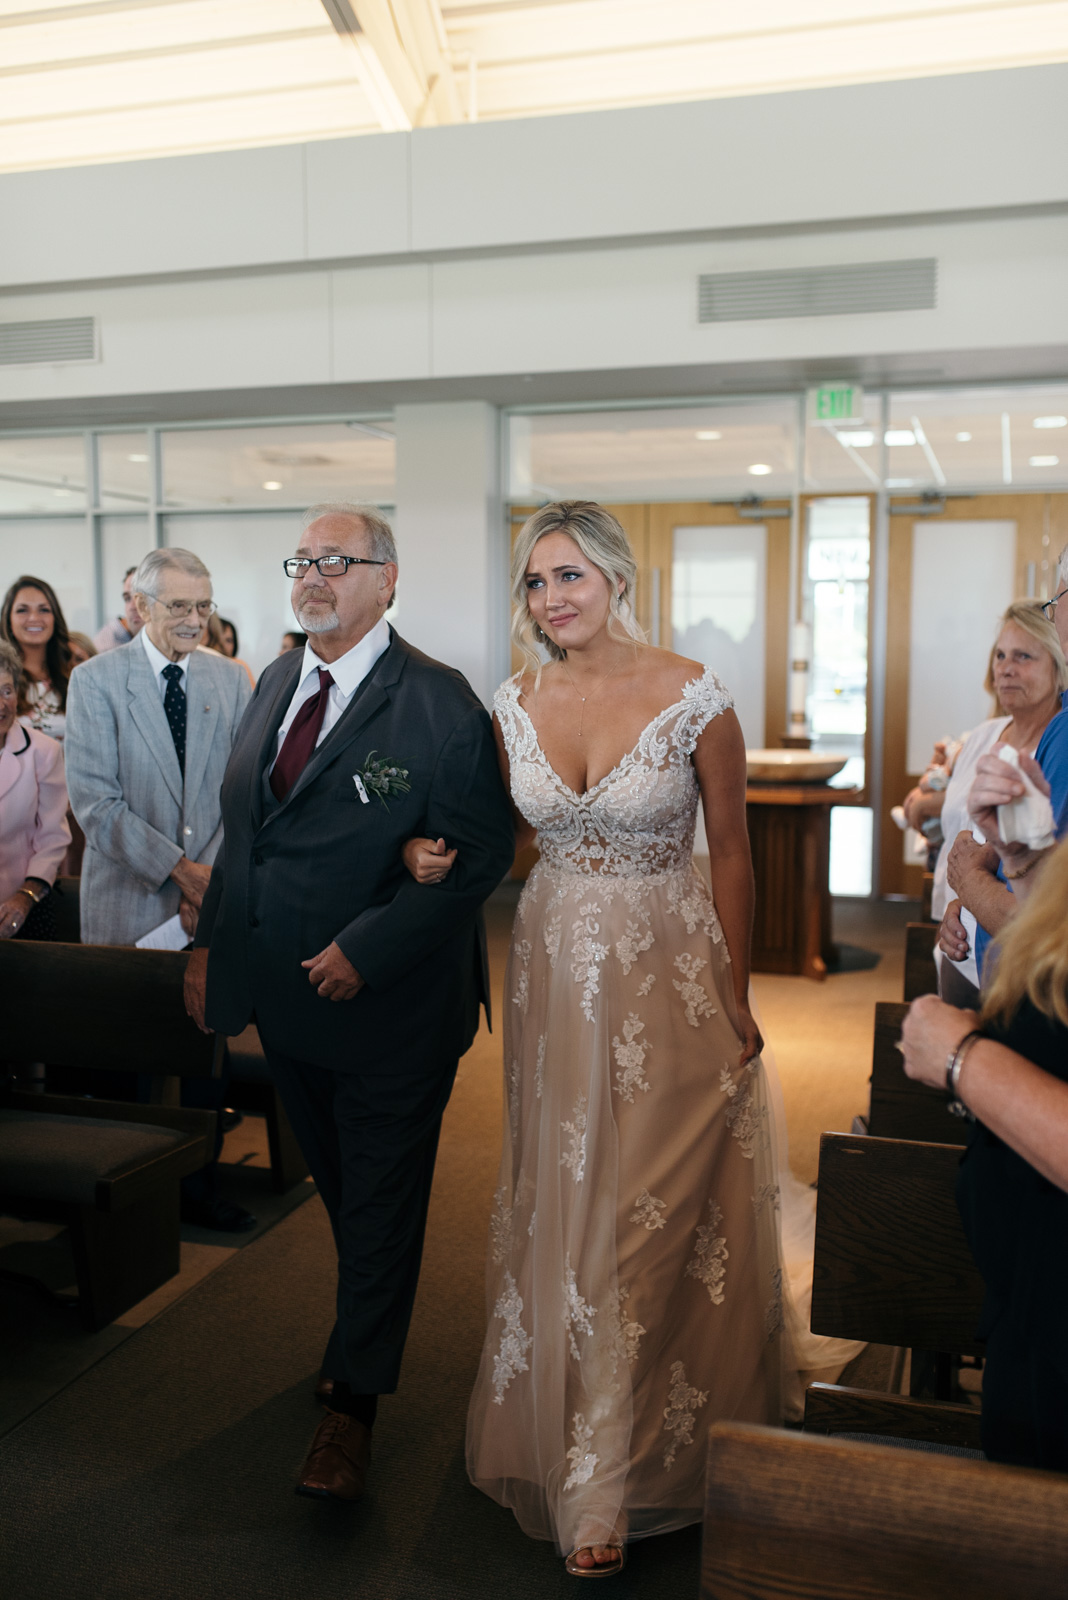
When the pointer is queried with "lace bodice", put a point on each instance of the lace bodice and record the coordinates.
(640, 818)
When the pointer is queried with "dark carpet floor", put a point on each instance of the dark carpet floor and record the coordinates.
(165, 1471)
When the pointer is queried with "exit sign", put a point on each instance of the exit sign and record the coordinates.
(836, 402)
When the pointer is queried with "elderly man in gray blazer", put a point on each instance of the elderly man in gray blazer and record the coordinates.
(149, 731)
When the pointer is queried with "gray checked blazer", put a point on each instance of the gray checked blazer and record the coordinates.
(126, 787)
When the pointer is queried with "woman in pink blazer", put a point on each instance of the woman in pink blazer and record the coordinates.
(33, 814)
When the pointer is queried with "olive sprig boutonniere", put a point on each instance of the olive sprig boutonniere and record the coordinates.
(380, 777)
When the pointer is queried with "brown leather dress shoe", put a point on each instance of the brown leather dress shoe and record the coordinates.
(337, 1462)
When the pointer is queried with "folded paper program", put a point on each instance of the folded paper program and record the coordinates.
(1028, 820)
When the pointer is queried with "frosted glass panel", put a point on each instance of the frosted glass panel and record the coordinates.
(124, 469)
(61, 552)
(962, 580)
(43, 475)
(295, 465)
(244, 556)
(124, 541)
(718, 585)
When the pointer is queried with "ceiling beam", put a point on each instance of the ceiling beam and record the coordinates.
(405, 65)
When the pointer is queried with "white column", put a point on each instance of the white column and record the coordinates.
(452, 600)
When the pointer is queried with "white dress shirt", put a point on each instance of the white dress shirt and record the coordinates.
(159, 661)
(348, 672)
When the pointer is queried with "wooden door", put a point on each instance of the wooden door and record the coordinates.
(1041, 531)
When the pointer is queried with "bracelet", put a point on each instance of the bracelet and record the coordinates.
(954, 1062)
(34, 899)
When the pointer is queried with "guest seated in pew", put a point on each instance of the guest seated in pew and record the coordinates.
(82, 649)
(1027, 675)
(33, 809)
(149, 731)
(1008, 1065)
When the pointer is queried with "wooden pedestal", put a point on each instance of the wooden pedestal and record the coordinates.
(790, 837)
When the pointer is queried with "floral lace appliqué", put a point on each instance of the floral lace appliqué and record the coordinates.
(649, 1212)
(521, 997)
(583, 1463)
(551, 935)
(633, 943)
(630, 1057)
(708, 1264)
(574, 1157)
(501, 1228)
(742, 1117)
(588, 955)
(683, 1401)
(626, 1335)
(515, 1341)
(539, 1066)
(576, 1313)
(694, 995)
(768, 1192)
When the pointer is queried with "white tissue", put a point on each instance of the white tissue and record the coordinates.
(1028, 820)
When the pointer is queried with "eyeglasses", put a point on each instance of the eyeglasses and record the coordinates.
(184, 608)
(328, 566)
(1048, 606)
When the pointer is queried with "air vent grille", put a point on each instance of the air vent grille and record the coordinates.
(818, 291)
(63, 339)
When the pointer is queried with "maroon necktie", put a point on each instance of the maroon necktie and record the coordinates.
(300, 740)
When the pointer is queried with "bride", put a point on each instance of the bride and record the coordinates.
(635, 1289)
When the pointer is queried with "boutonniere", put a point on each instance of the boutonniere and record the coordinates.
(380, 777)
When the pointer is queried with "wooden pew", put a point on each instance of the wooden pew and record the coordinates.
(108, 1169)
(892, 1265)
(925, 897)
(899, 1107)
(791, 1516)
(921, 974)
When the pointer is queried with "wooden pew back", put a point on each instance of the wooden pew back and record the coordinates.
(899, 1107)
(794, 1516)
(892, 1265)
(921, 974)
(101, 1006)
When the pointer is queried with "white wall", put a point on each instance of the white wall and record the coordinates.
(939, 145)
(449, 523)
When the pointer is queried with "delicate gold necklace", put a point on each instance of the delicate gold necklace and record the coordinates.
(601, 682)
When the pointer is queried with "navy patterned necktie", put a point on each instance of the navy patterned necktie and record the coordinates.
(174, 706)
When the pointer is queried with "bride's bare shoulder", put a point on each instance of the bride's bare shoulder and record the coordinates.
(669, 672)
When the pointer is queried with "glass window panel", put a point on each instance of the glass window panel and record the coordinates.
(124, 470)
(718, 583)
(686, 453)
(295, 465)
(244, 555)
(851, 842)
(837, 589)
(845, 455)
(59, 550)
(42, 475)
(979, 438)
(123, 543)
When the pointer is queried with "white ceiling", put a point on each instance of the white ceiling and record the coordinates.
(110, 80)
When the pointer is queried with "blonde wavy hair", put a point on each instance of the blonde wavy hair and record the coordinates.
(1031, 955)
(1028, 615)
(603, 542)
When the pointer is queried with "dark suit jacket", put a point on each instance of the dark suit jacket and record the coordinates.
(326, 866)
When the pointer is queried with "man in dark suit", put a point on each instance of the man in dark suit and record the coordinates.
(364, 984)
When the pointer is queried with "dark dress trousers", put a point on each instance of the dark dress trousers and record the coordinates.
(364, 1081)
(1017, 1225)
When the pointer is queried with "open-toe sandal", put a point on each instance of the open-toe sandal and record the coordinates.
(605, 1569)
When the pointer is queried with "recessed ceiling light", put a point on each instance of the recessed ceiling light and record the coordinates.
(759, 469)
(1044, 461)
(964, 438)
(1051, 422)
(709, 433)
(137, 456)
(272, 485)
(899, 483)
(860, 440)
(899, 436)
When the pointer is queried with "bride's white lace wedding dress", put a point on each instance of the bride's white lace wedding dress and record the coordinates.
(635, 1282)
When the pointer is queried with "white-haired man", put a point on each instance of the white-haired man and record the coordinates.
(149, 732)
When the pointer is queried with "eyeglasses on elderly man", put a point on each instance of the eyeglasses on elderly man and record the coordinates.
(328, 566)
